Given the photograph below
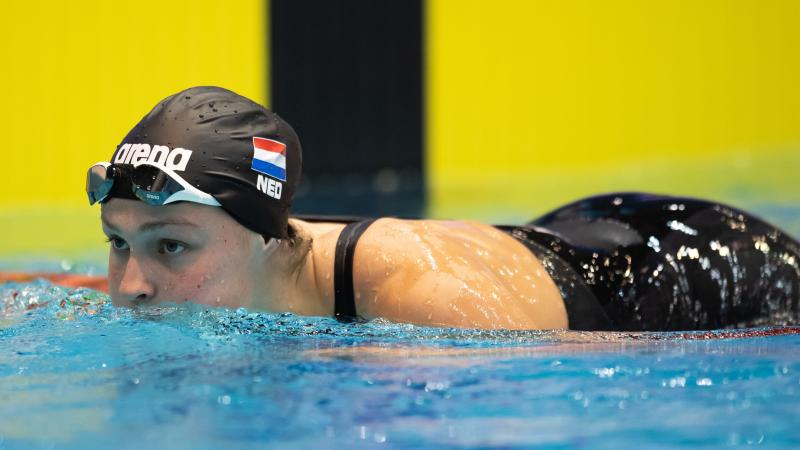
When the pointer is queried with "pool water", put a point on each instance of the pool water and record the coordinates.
(75, 372)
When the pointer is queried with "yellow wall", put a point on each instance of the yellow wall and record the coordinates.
(530, 103)
(78, 75)
(534, 103)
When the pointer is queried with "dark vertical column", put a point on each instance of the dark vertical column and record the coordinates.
(347, 74)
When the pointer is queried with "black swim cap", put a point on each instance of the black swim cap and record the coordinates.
(226, 145)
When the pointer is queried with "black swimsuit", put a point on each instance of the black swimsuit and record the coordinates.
(647, 262)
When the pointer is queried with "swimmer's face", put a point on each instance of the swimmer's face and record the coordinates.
(180, 252)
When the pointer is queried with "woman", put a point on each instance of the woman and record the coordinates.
(195, 204)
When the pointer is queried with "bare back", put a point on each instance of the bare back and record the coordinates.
(446, 273)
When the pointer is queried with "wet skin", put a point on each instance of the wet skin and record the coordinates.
(452, 273)
(440, 273)
(179, 253)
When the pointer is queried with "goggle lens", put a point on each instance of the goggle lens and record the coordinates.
(98, 183)
(152, 186)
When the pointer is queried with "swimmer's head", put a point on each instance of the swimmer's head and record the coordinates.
(192, 196)
(211, 146)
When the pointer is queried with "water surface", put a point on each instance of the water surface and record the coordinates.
(75, 372)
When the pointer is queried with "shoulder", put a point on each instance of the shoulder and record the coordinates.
(389, 245)
(427, 244)
(433, 273)
(392, 244)
(387, 233)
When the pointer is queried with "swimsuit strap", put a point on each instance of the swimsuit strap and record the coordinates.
(344, 294)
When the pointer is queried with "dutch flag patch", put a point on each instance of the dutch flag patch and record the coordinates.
(269, 158)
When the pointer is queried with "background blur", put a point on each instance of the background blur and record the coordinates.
(496, 111)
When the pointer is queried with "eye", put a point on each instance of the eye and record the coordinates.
(118, 243)
(171, 247)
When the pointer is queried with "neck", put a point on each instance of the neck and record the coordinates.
(306, 284)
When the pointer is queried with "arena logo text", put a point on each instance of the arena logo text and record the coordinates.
(174, 159)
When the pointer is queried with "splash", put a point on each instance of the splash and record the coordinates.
(41, 300)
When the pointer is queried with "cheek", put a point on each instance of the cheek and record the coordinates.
(191, 285)
(215, 282)
(232, 287)
(241, 275)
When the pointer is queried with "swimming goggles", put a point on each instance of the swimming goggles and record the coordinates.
(151, 183)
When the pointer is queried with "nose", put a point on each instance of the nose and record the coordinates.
(135, 286)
